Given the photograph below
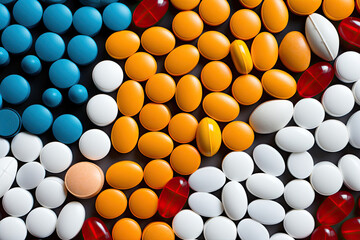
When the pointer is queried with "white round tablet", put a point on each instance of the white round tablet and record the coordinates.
(107, 76)
(299, 223)
(238, 166)
(12, 228)
(299, 194)
(187, 224)
(41, 222)
(102, 110)
(17, 202)
(51, 192)
(353, 126)
(281, 236)
(332, 135)
(326, 178)
(4, 147)
(308, 113)
(356, 92)
(269, 160)
(300, 165)
(56, 157)
(94, 144)
(249, 229)
(26, 147)
(338, 100)
(347, 67)
(30, 175)
(219, 228)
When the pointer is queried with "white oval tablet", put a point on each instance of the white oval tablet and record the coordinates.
(12, 228)
(8, 168)
(51, 192)
(266, 212)
(205, 204)
(353, 126)
(234, 199)
(26, 147)
(299, 223)
(4, 147)
(338, 100)
(281, 236)
(94, 144)
(102, 110)
(238, 166)
(187, 224)
(349, 166)
(265, 186)
(17, 202)
(30, 175)
(41, 222)
(347, 67)
(332, 135)
(207, 179)
(70, 220)
(219, 228)
(299, 194)
(300, 165)
(107, 76)
(271, 116)
(294, 139)
(269, 160)
(308, 113)
(326, 178)
(56, 157)
(249, 229)
(356, 92)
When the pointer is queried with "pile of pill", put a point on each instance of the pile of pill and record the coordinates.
(200, 119)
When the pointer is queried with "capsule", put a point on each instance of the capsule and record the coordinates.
(130, 98)
(279, 84)
(94, 228)
(241, 57)
(155, 145)
(264, 51)
(351, 229)
(324, 232)
(182, 60)
(149, 12)
(221, 107)
(208, 137)
(188, 93)
(274, 15)
(349, 30)
(124, 175)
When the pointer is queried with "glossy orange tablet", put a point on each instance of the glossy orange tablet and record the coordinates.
(250, 3)
(185, 159)
(126, 229)
(154, 116)
(130, 98)
(221, 107)
(208, 137)
(158, 230)
(274, 15)
(182, 60)
(140, 66)
(241, 57)
(111, 203)
(160, 88)
(158, 41)
(124, 134)
(185, 4)
(122, 44)
(338, 9)
(238, 136)
(188, 93)
(264, 51)
(279, 84)
(245, 24)
(304, 7)
(187, 25)
(207, 42)
(216, 76)
(155, 145)
(157, 173)
(143, 203)
(124, 175)
(214, 12)
(182, 127)
(247, 89)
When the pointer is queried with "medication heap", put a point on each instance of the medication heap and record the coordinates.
(178, 143)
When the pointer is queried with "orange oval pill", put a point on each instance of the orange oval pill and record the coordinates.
(264, 51)
(238, 136)
(157, 41)
(122, 44)
(208, 40)
(241, 57)
(187, 25)
(214, 12)
(160, 88)
(182, 60)
(111, 203)
(221, 107)
(143, 203)
(304, 7)
(182, 127)
(250, 3)
(279, 84)
(274, 15)
(124, 175)
(130, 98)
(245, 24)
(338, 9)
(185, 4)
(294, 52)
(155, 145)
(157, 173)
(188, 93)
(247, 89)
(158, 230)
(140, 66)
(154, 116)
(126, 229)
(185, 159)
(216, 76)
(208, 137)
(124, 134)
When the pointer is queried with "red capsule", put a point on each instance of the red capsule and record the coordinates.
(95, 229)
(149, 12)
(315, 79)
(335, 208)
(173, 197)
(324, 233)
(351, 229)
(349, 30)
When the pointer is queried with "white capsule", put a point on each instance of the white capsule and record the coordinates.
(234, 200)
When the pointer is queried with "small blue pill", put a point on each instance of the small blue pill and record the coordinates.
(49, 47)
(97, 3)
(87, 21)
(15, 89)
(37, 119)
(57, 18)
(16, 39)
(78, 94)
(4, 57)
(67, 128)
(10, 122)
(82, 49)
(52, 97)
(64, 73)
(4, 17)
(27, 12)
(31, 65)
(117, 16)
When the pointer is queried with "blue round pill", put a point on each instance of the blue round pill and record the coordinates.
(27, 12)
(31, 65)
(57, 18)
(49, 47)
(87, 21)
(37, 119)
(4, 17)
(6, 1)
(117, 16)
(97, 3)
(14, 89)
(10, 122)
(52, 97)
(16, 39)
(82, 49)
(78, 94)
(64, 73)
(4, 57)
(67, 128)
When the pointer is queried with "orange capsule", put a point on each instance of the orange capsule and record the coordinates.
(157, 41)
(241, 57)
(247, 89)
(187, 25)
(130, 98)
(245, 24)
(214, 12)
(140, 66)
(238, 136)
(182, 60)
(208, 137)
(182, 127)
(221, 107)
(124, 134)
(160, 88)
(185, 159)
(155, 145)
(275, 15)
(188, 93)
(154, 116)
(264, 51)
(279, 84)
(124, 175)
(216, 76)
(122, 44)
(208, 40)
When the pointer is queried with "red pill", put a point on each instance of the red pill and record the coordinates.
(349, 30)
(173, 197)
(324, 233)
(335, 208)
(95, 229)
(315, 79)
(149, 12)
(351, 229)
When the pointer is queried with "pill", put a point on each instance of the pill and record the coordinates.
(208, 137)
(274, 15)
(237, 166)
(219, 227)
(37, 119)
(281, 236)
(241, 57)
(182, 127)
(338, 100)
(16, 39)
(4, 57)
(238, 135)
(122, 44)
(278, 84)
(140, 66)
(82, 49)
(93, 227)
(17, 202)
(107, 76)
(124, 134)
(157, 41)
(185, 5)
(49, 47)
(96, 4)
(245, 24)
(269, 160)
(154, 116)
(216, 76)
(157, 173)
(250, 3)
(265, 186)
(56, 157)
(51, 192)
(160, 88)
(356, 92)
(300, 165)
(70, 220)
(247, 89)
(4, 147)
(27, 13)
(87, 21)
(10, 122)
(251, 229)
(214, 12)
(15, 89)
(220, 107)
(57, 18)
(187, 25)
(5, 17)
(326, 178)
(155, 145)
(306, 7)
(116, 16)
(111, 203)
(357, 5)
(12, 228)
(26, 147)
(350, 227)
(185, 159)
(30, 175)
(149, 12)
(187, 224)
(182, 60)
(207, 179)
(345, 69)
(349, 165)
(94, 144)
(64, 73)
(294, 139)
(143, 203)
(332, 135)
(158, 229)
(205, 204)
(102, 110)
(266, 212)
(299, 223)
(264, 51)
(213, 38)
(352, 126)
(78, 94)
(124, 175)
(31, 65)
(41, 222)
(333, 12)
(324, 231)
(234, 200)
(348, 30)
(188, 94)
(130, 98)
(67, 128)
(126, 228)
(299, 194)
(308, 113)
